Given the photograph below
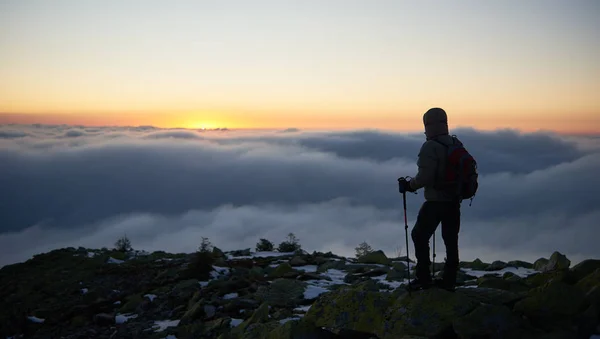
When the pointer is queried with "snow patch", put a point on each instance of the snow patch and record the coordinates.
(150, 296)
(161, 325)
(91, 254)
(519, 271)
(313, 291)
(262, 255)
(84, 290)
(392, 284)
(303, 308)
(307, 268)
(219, 271)
(236, 322)
(170, 336)
(123, 318)
(230, 296)
(112, 260)
(36, 320)
(118, 302)
(203, 283)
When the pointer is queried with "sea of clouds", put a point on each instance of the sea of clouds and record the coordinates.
(75, 186)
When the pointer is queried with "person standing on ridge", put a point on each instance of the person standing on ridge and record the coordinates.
(442, 201)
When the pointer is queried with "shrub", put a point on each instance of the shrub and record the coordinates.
(291, 245)
(264, 245)
(363, 249)
(123, 244)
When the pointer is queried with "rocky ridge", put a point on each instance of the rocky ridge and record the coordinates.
(81, 293)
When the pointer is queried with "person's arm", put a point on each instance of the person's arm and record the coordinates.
(427, 164)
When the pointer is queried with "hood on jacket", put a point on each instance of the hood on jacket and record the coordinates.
(435, 121)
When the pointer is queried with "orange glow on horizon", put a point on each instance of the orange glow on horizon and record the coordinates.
(310, 121)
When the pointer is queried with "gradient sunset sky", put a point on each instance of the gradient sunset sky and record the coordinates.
(326, 64)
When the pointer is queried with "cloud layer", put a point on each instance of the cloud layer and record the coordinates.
(72, 185)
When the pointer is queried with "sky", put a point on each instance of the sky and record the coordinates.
(313, 64)
(165, 189)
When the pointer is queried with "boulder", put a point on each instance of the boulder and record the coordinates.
(332, 264)
(476, 265)
(539, 264)
(397, 273)
(584, 268)
(590, 285)
(491, 296)
(496, 266)
(196, 311)
(295, 329)
(514, 285)
(349, 308)
(282, 270)
(558, 261)
(427, 313)
(375, 257)
(487, 321)
(553, 303)
(282, 292)
(297, 261)
(519, 263)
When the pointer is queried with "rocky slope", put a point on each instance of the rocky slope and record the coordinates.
(81, 293)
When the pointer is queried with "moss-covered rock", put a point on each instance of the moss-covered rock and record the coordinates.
(350, 308)
(539, 279)
(539, 264)
(297, 261)
(397, 273)
(132, 303)
(584, 268)
(491, 296)
(331, 264)
(295, 329)
(553, 303)
(375, 257)
(281, 271)
(514, 285)
(590, 285)
(196, 311)
(254, 327)
(487, 321)
(425, 313)
(282, 292)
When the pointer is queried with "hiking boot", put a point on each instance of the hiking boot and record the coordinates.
(418, 284)
(448, 286)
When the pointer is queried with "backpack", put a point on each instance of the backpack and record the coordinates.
(461, 171)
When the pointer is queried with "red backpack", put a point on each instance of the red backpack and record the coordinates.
(461, 170)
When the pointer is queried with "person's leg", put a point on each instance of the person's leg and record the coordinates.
(450, 229)
(427, 221)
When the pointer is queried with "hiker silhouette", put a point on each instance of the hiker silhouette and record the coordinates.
(442, 204)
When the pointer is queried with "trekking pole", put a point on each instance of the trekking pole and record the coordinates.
(433, 263)
(406, 236)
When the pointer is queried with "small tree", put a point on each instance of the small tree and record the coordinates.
(205, 245)
(363, 249)
(291, 245)
(201, 263)
(123, 244)
(264, 245)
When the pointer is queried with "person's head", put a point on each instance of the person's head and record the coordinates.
(436, 122)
